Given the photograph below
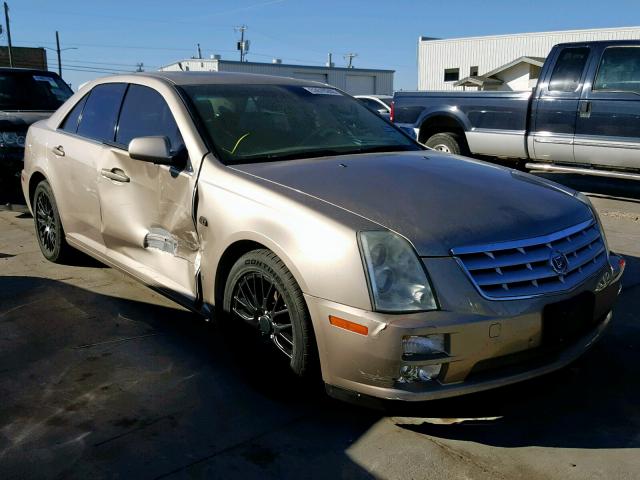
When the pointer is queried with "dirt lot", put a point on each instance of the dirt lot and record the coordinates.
(101, 377)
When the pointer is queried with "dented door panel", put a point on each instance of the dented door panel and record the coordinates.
(147, 224)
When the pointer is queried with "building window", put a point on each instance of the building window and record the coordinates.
(451, 74)
(473, 72)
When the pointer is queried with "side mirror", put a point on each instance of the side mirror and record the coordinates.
(151, 149)
(383, 111)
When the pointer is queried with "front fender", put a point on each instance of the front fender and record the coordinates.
(315, 240)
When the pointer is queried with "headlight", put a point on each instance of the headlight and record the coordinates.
(397, 278)
(584, 199)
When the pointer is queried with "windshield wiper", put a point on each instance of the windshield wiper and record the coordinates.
(324, 153)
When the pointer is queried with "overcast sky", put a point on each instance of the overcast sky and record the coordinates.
(114, 36)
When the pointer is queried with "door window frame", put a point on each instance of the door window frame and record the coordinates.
(595, 94)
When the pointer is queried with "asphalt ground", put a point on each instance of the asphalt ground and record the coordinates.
(100, 377)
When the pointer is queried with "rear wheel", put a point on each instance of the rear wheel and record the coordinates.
(447, 142)
(49, 230)
(261, 292)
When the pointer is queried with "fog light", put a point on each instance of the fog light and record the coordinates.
(604, 281)
(427, 345)
(419, 373)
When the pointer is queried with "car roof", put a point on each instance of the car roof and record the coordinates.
(203, 78)
(27, 70)
(374, 96)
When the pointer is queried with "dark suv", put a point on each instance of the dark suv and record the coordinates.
(26, 96)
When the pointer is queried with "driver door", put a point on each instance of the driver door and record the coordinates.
(147, 226)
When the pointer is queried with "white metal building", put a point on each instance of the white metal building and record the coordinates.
(356, 81)
(443, 63)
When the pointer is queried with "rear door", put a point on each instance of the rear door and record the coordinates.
(147, 223)
(76, 148)
(557, 105)
(608, 125)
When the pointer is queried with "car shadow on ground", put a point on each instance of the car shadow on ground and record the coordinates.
(94, 382)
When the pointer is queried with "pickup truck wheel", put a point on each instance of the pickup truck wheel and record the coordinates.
(261, 291)
(446, 142)
(49, 230)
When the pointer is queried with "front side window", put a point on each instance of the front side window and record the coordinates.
(101, 111)
(255, 123)
(619, 70)
(145, 113)
(28, 90)
(568, 70)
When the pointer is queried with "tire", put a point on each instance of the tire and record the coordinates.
(447, 142)
(49, 231)
(263, 274)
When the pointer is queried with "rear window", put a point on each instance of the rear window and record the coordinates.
(25, 90)
(568, 69)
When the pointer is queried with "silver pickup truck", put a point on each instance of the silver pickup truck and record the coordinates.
(583, 116)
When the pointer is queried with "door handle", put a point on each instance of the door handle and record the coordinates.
(58, 150)
(585, 109)
(115, 174)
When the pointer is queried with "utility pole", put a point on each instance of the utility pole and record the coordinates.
(58, 52)
(350, 56)
(199, 52)
(243, 45)
(139, 67)
(6, 19)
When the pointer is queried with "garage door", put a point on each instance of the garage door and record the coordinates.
(361, 84)
(315, 77)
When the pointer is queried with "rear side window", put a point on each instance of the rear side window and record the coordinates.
(145, 113)
(619, 70)
(70, 123)
(568, 70)
(100, 112)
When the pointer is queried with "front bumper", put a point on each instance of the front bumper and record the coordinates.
(490, 343)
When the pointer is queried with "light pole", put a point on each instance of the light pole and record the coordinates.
(58, 50)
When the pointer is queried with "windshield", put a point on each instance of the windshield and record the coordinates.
(387, 101)
(255, 123)
(32, 91)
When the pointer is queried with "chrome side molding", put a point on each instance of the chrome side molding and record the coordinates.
(548, 167)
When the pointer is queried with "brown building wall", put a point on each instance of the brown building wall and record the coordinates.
(24, 57)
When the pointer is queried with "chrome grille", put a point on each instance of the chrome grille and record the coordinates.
(525, 268)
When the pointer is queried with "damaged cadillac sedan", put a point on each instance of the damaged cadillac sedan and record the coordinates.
(402, 272)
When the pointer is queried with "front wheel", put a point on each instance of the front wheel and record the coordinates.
(261, 291)
(49, 230)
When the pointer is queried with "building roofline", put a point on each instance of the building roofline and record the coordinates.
(532, 34)
(477, 81)
(537, 61)
(291, 65)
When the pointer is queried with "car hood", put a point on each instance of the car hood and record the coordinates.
(437, 201)
(21, 119)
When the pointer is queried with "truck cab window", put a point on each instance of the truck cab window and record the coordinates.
(619, 70)
(568, 70)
